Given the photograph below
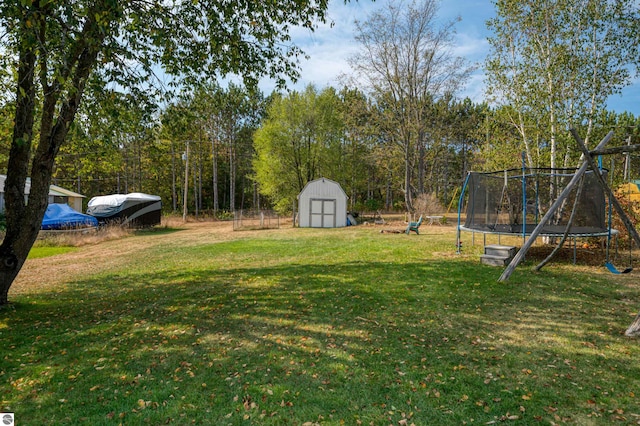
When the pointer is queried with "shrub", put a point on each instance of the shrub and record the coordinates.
(373, 205)
(427, 204)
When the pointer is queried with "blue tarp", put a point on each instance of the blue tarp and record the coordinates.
(61, 216)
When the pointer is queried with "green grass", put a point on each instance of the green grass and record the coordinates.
(46, 251)
(297, 327)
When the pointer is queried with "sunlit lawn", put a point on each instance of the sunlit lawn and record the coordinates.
(302, 326)
(46, 251)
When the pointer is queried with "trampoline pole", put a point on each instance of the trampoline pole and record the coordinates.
(537, 205)
(524, 201)
(464, 188)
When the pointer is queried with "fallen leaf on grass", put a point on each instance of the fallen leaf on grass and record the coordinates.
(248, 404)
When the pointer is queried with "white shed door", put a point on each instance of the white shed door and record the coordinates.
(323, 213)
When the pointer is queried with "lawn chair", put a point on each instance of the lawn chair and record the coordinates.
(413, 226)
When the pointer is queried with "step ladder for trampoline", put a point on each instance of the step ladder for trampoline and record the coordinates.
(497, 255)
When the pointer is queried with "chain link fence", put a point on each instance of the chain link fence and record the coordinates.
(252, 219)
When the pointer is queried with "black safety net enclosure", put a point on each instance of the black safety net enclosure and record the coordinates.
(514, 201)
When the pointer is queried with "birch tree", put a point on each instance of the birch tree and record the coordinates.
(555, 63)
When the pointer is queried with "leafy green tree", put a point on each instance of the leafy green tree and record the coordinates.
(108, 147)
(6, 124)
(555, 63)
(297, 143)
(456, 130)
(176, 121)
(229, 117)
(59, 50)
(502, 145)
(219, 123)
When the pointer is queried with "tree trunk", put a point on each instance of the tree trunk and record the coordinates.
(200, 166)
(174, 194)
(422, 154)
(214, 153)
(232, 175)
(25, 219)
(23, 223)
(408, 168)
(196, 201)
(139, 164)
(407, 187)
(16, 244)
(256, 197)
(388, 199)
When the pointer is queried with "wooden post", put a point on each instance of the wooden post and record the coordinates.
(616, 150)
(576, 178)
(616, 204)
(634, 328)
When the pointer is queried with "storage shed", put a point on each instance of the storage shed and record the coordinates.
(322, 204)
(57, 195)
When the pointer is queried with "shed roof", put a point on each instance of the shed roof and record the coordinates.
(323, 180)
(53, 189)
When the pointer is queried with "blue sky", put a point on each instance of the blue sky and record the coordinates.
(330, 46)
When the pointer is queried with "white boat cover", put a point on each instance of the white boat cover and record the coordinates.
(143, 209)
(116, 200)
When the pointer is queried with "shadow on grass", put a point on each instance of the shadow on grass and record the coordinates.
(434, 342)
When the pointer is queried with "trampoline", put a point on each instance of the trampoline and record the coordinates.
(512, 202)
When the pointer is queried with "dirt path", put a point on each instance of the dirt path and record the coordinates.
(96, 257)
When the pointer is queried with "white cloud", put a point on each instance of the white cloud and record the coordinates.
(333, 43)
(473, 48)
(329, 46)
(475, 87)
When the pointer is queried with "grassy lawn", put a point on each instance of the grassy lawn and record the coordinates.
(331, 327)
(46, 251)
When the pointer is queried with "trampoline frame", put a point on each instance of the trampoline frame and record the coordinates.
(523, 229)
